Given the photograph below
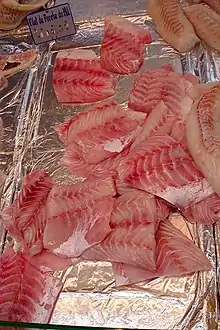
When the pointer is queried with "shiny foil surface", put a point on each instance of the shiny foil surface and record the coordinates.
(30, 110)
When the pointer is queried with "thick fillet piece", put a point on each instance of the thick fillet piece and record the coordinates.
(160, 121)
(75, 163)
(206, 24)
(133, 245)
(160, 84)
(161, 166)
(26, 294)
(196, 91)
(177, 255)
(203, 135)
(206, 212)
(172, 25)
(122, 49)
(20, 61)
(24, 218)
(78, 78)
(78, 216)
(101, 131)
(214, 4)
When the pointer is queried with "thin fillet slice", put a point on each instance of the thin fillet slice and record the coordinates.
(160, 84)
(26, 294)
(78, 217)
(122, 49)
(24, 219)
(160, 121)
(102, 131)
(176, 253)
(74, 161)
(160, 166)
(206, 212)
(133, 245)
(172, 24)
(13, 63)
(196, 91)
(78, 78)
(203, 135)
(206, 24)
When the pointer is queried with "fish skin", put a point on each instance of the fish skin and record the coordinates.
(23, 60)
(185, 260)
(122, 49)
(78, 217)
(81, 80)
(203, 138)
(206, 24)
(172, 25)
(26, 294)
(160, 84)
(133, 245)
(154, 166)
(102, 131)
(75, 163)
(24, 218)
(206, 212)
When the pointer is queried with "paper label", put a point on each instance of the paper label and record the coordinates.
(51, 24)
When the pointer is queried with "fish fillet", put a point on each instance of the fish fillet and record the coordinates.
(102, 131)
(160, 84)
(161, 166)
(26, 294)
(122, 49)
(214, 4)
(172, 25)
(13, 63)
(24, 218)
(78, 78)
(160, 121)
(178, 133)
(133, 245)
(176, 253)
(206, 24)
(196, 91)
(203, 135)
(78, 217)
(206, 212)
(73, 160)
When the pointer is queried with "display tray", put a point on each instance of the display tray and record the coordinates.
(30, 111)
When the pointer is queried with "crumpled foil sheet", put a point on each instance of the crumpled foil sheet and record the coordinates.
(29, 110)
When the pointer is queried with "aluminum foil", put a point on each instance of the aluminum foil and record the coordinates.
(30, 111)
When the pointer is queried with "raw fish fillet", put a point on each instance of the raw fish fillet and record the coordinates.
(161, 84)
(78, 216)
(46, 261)
(102, 131)
(13, 63)
(122, 49)
(26, 294)
(161, 166)
(78, 78)
(194, 80)
(206, 212)
(196, 91)
(203, 135)
(178, 133)
(12, 12)
(73, 160)
(133, 245)
(206, 24)
(176, 253)
(172, 25)
(160, 121)
(214, 4)
(25, 219)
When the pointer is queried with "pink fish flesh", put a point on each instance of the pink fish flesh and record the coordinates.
(78, 217)
(122, 49)
(26, 294)
(161, 166)
(78, 78)
(102, 131)
(178, 132)
(196, 91)
(24, 218)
